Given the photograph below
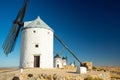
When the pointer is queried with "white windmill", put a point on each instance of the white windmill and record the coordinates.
(36, 44)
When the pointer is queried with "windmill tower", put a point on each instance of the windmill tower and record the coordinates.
(37, 45)
(58, 61)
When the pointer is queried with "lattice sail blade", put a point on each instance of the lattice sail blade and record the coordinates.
(21, 13)
(10, 41)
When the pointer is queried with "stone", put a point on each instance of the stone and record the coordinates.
(30, 75)
(88, 65)
(21, 70)
(54, 77)
(15, 78)
(81, 70)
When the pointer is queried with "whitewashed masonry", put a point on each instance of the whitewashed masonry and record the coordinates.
(36, 45)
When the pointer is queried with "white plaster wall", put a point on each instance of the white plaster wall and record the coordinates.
(58, 61)
(44, 38)
(63, 62)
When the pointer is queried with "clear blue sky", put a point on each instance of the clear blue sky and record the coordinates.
(91, 28)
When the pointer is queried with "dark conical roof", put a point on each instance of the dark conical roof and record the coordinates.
(63, 58)
(57, 56)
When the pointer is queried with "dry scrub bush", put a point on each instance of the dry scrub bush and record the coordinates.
(91, 78)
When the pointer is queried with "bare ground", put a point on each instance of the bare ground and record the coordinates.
(9, 73)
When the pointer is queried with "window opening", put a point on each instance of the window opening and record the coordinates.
(34, 31)
(36, 45)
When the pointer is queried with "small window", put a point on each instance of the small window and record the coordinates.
(34, 31)
(36, 45)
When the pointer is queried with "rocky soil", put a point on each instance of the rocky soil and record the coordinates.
(48, 74)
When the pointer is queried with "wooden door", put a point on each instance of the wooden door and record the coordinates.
(36, 61)
(57, 65)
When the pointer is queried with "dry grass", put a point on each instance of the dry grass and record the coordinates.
(114, 71)
(91, 78)
(67, 72)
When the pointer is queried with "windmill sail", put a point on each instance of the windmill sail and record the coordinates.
(10, 41)
(69, 50)
(21, 13)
